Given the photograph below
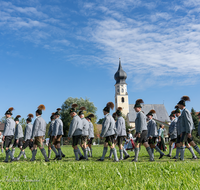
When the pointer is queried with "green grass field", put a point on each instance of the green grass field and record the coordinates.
(70, 174)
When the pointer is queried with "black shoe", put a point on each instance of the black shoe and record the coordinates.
(134, 160)
(11, 160)
(152, 160)
(47, 160)
(121, 159)
(5, 161)
(116, 161)
(161, 156)
(82, 158)
(57, 156)
(32, 160)
(126, 157)
(195, 158)
(100, 160)
(168, 155)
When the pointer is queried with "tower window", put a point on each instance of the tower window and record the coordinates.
(122, 99)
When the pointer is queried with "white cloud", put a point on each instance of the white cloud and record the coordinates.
(169, 48)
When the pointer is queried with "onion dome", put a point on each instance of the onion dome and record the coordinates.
(120, 75)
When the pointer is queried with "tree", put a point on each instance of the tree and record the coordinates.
(196, 123)
(47, 130)
(195, 118)
(23, 123)
(65, 116)
(100, 121)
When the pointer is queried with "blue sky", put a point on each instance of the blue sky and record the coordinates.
(52, 50)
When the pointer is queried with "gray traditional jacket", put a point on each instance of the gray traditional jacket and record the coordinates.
(108, 126)
(178, 125)
(39, 127)
(152, 129)
(172, 130)
(199, 129)
(19, 132)
(91, 130)
(28, 131)
(57, 127)
(85, 130)
(51, 128)
(120, 127)
(187, 124)
(75, 127)
(9, 129)
(140, 122)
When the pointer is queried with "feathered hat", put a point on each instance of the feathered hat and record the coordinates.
(90, 116)
(17, 118)
(40, 108)
(9, 111)
(58, 111)
(109, 106)
(73, 108)
(119, 111)
(183, 100)
(30, 116)
(81, 110)
(177, 109)
(138, 103)
(172, 114)
(151, 112)
(52, 115)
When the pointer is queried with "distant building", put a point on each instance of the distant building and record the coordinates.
(122, 100)
(2, 125)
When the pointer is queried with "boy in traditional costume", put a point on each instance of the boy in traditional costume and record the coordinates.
(141, 131)
(153, 133)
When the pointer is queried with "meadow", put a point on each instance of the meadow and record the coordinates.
(71, 174)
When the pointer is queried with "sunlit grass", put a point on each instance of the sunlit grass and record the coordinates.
(70, 174)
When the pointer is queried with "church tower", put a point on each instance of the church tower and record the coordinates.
(121, 94)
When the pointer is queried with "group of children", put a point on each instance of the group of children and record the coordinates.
(81, 132)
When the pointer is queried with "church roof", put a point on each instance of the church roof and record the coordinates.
(161, 112)
(120, 75)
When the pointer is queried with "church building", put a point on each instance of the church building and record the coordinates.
(122, 100)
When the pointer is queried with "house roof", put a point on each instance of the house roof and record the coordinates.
(2, 126)
(161, 112)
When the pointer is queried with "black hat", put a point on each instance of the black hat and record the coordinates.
(81, 110)
(119, 111)
(90, 116)
(40, 108)
(172, 114)
(138, 102)
(58, 111)
(30, 116)
(183, 100)
(151, 112)
(73, 108)
(17, 118)
(177, 109)
(9, 111)
(52, 115)
(109, 106)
